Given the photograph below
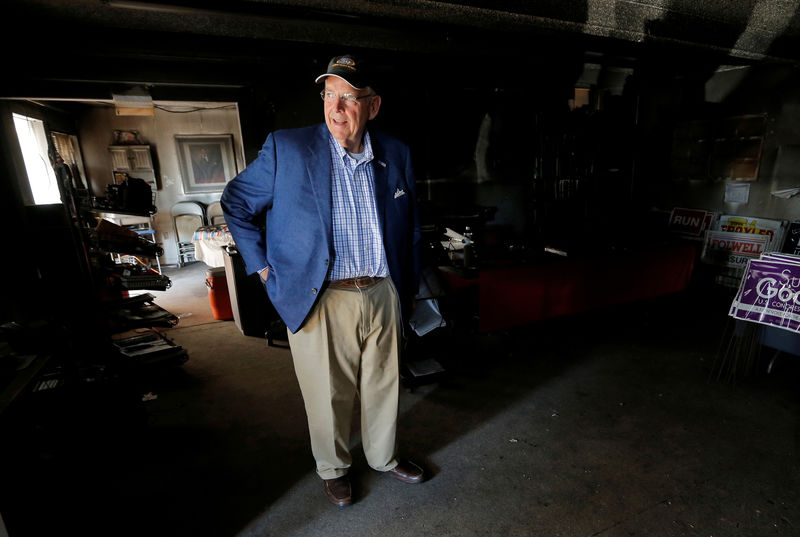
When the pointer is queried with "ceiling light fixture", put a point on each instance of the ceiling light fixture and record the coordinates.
(133, 105)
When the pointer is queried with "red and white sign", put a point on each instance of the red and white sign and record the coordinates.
(733, 249)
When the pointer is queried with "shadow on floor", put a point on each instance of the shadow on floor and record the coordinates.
(604, 423)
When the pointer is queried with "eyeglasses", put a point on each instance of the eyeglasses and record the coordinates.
(348, 98)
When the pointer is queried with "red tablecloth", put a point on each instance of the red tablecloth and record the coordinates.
(519, 295)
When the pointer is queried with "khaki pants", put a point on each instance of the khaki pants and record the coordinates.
(348, 346)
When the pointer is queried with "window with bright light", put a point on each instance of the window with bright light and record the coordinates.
(41, 177)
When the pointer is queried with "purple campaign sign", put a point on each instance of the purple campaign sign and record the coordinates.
(770, 294)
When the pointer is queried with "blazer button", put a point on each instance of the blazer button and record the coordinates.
(314, 291)
(326, 261)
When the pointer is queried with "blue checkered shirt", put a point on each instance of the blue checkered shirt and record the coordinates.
(357, 237)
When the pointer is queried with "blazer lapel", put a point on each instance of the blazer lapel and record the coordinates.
(319, 175)
(380, 171)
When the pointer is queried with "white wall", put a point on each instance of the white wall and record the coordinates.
(97, 133)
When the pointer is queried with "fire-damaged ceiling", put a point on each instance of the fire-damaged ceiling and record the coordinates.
(133, 42)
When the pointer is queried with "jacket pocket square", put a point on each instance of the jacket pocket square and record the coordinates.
(399, 192)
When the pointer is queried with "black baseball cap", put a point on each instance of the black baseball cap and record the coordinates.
(352, 69)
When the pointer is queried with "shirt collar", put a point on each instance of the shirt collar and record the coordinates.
(368, 155)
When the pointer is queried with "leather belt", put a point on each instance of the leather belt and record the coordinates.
(355, 283)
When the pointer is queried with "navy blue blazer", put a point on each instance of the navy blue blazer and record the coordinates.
(290, 184)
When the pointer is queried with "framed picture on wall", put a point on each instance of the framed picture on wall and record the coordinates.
(206, 160)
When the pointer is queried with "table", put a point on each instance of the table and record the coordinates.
(518, 295)
(210, 242)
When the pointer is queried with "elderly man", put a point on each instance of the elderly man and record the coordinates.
(339, 258)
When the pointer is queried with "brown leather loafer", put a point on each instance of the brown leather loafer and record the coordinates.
(407, 472)
(338, 490)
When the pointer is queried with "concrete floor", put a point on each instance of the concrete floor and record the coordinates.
(609, 423)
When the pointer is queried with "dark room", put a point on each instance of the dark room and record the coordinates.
(551, 288)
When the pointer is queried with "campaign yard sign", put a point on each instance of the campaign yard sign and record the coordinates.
(769, 292)
(774, 229)
(733, 249)
(791, 243)
(689, 223)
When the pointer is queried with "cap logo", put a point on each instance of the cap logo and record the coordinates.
(346, 62)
